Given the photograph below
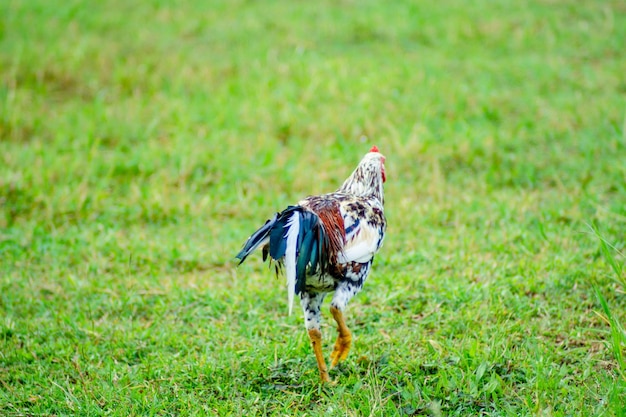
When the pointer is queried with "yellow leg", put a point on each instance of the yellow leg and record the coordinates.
(316, 340)
(344, 339)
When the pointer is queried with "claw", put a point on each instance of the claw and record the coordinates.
(341, 350)
(316, 341)
(344, 339)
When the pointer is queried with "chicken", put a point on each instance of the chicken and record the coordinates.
(327, 244)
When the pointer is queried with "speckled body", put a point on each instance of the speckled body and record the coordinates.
(361, 216)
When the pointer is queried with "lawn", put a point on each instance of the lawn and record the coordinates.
(141, 143)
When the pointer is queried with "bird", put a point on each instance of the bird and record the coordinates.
(326, 244)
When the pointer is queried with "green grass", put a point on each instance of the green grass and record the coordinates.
(140, 145)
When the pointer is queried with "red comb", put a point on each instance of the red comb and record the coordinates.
(374, 149)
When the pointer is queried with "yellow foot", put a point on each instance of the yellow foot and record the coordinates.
(324, 378)
(316, 341)
(341, 350)
(327, 381)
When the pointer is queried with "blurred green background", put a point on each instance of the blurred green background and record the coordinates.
(142, 142)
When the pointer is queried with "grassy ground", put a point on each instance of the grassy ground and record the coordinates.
(140, 144)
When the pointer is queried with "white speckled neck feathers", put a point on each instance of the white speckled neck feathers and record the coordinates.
(367, 179)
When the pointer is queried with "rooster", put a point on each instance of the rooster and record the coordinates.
(327, 244)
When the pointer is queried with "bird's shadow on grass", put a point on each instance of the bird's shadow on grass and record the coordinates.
(379, 380)
(295, 373)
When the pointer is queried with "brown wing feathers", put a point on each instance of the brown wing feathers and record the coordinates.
(328, 212)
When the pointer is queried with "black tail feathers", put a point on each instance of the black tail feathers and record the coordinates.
(311, 242)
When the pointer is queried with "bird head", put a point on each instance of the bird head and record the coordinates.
(368, 177)
(382, 161)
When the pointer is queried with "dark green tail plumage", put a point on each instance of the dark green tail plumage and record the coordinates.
(310, 254)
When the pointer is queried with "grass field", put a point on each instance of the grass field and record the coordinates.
(142, 142)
